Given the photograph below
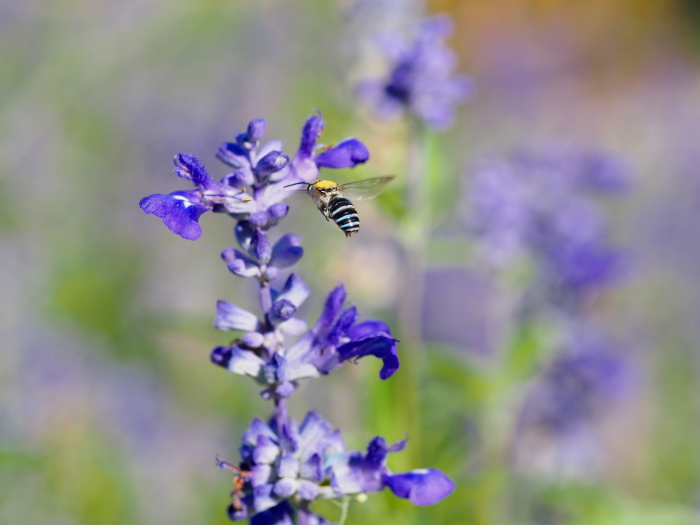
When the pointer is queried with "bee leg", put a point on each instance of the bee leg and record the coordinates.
(324, 210)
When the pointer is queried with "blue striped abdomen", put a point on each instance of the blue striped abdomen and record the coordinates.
(344, 214)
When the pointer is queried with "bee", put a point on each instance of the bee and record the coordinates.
(331, 199)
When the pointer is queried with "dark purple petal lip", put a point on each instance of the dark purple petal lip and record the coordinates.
(179, 211)
(421, 487)
(381, 346)
(345, 154)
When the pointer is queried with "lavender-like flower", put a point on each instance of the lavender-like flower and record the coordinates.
(421, 81)
(283, 461)
(554, 430)
(285, 466)
(541, 204)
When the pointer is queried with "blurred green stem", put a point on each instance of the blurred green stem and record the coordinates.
(413, 238)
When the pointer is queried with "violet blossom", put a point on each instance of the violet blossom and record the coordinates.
(541, 205)
(283, 461)
(421, 79)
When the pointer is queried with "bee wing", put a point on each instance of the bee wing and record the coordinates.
(364, 189)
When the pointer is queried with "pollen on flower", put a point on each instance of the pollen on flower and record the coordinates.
(325, 184)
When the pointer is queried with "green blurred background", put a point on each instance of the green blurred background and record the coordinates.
(110, 411)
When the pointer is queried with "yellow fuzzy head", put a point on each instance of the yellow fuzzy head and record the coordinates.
(324, 184)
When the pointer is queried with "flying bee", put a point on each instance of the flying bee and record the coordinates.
(331, 199)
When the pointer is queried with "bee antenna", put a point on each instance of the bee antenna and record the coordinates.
(295, 184)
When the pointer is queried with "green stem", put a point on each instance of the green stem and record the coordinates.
(345, 506)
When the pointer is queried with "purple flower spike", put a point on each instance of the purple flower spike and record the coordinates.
(310, 462)
(421, 487)
(284, 466)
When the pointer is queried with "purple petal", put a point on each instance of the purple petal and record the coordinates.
(311, 469)
(354, 476)
(331, 309)
(256, 428)
(271, 163)
(261, 475)
(244, 234)
(260, 246)
(266, 451)
(295, 290)
(293, 326)
(282, 310)
(310, 133)
(345, 321)
(281, 514)
(308, 490)
(285, 389)
(244, 362)
(239, 264)
(272, 145)
(253, 339)
(264, 498)
(188, 167)
(277, 211)
(380, 346)
(287, 251)
(256, 129)
(239, 178)
(179, 213)
(313, 434)
(288, 467)
(231, 317)
(233, 155)
(370, 328)
(377, 452)
(270, 273)
(285, 487)
(345, 154)
(258, 219)
(422, 487)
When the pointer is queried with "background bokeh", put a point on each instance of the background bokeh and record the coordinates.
(110, 411)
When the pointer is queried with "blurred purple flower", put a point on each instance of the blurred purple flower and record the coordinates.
(585, 376)
(421, 81)
(555, 427)
(541, 204)
(283, 461)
